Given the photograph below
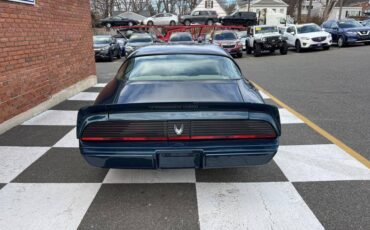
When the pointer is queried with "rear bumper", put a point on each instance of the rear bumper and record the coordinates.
(238, 154)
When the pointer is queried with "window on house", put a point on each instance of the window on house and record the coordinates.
(208, 4)
(274, 10)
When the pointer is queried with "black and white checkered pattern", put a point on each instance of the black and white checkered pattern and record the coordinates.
(46, 184)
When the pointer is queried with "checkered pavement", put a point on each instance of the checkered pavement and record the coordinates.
(45, 184)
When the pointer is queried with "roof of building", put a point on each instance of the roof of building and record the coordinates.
(263, 3)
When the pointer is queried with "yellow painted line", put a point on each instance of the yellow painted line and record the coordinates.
(318, 129)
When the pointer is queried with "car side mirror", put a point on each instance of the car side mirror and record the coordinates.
(335, 28)
(292, 33)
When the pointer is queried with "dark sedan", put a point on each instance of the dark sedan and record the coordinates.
(118, 21)
(106, 47)
(345, 32)
(178, 107)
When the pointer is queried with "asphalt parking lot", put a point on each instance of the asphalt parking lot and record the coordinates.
(312, 183)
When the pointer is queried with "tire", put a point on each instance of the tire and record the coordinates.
(257, 50)
(130, 24)
(150, 23)
(298, 47)
(187, 22)
(272, 51)
(111, 57)
(341, 42)
(249, 49)
(209, 22)
(240, 55)
(172, 23)
(326, 47)
(119, 54)
(367, 43)
(108, 25)
(284, 48)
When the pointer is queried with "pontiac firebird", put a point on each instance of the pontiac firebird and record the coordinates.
(178, 107)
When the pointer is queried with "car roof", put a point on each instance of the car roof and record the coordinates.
(180, 49)
(140, 35)
(102, 36)
(181, 33)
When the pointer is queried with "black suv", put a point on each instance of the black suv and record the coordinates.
(208, 17)
(240, 18)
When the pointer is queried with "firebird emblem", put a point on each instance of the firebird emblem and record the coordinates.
(178, 131)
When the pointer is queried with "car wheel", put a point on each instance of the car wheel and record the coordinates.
(210, 22)
(257, 50)
(150, 23)
(249, 49)
(111, 56)
(326, 47)
(272, 51)
(240, 55)
(118, 54)
(130, 23)
(284, 48)
(172, 23)
(298, 47)
(341, 42)
(187, 22)
(367, 43)
(108, 25)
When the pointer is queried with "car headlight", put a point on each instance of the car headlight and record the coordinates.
(351, 33)
(105, 48)
(305, 38)
(129, 48)
(263, 39)
(329, 36)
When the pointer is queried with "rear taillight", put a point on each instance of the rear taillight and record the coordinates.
(178, 130)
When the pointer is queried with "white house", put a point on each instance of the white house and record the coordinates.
(316, 7)
(277, 6)
(347, 11)
(211, 5)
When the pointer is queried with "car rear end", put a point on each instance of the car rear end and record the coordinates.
(178, 135)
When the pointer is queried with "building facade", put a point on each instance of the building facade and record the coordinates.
(44, 49)
(211, 5)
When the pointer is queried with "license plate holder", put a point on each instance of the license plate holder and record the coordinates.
(179, 159)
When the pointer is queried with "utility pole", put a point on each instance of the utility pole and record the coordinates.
(249, 5)
(340, 9)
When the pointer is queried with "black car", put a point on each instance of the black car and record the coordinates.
(106, 47)
(181, 38)
(240, 18)
(208, 17)
(118, 21)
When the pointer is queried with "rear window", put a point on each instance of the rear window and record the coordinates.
(181, 67)
(181, 38)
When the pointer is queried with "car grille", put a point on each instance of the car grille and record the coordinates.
(178, 130)
(228, 46)
(318, 39)
(364, 33)
(272, 39)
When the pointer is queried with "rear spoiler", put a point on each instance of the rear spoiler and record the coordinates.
(101, 112)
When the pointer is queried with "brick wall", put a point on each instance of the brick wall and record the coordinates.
(43, 49)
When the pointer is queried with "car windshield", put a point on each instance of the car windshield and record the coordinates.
(140, 39)
(225, 36)
(181, 38)
(181, 67)
(349, 24)
(367, 23)
(308, 29)
(101, 40)
(266, 29)
(243, 34)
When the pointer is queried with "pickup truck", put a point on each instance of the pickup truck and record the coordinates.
(207, 17)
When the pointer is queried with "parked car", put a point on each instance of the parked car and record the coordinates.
(346, 32)
(366, 22)
(261, 38)
(228, 40)
(181, 38)
(242, 35)
(106, 47)
(240, 18)
(118, 21)
(137, 41)
(161, 19)
(307, 36)
(178, 107)
(208, 17)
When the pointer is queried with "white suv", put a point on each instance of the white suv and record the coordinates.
(307, 36)
(162, 19)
